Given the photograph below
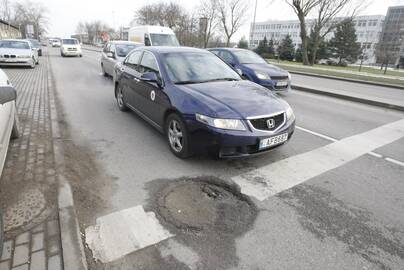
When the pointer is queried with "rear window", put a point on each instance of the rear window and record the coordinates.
(14, 44)
(122, 50)
(70, 41)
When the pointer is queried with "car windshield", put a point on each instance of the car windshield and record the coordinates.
(164, 40)
(195, 67)
(35, 43)
(14, 44)
(122, 50)
(249, 57)
(70, 41)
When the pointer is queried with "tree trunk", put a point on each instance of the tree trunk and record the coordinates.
(385, 67)
(228, 41)
(303, 36)
(315, 48)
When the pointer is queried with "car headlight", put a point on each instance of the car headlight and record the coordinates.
(262, 76)
(289, 113)
(231, 124)
(289, 76)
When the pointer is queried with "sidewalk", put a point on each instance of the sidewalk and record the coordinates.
(372, 95)
(28, 185)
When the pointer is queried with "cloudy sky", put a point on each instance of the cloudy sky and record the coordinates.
(65, 14)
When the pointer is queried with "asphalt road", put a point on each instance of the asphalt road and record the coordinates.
(349, 217)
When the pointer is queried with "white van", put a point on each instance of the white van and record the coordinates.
(153, 35)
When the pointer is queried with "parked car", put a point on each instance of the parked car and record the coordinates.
(8, 127)
(36, 46)
(17, 52)
(70, 47)
(114, 52)
(150, 35)
(253, 67)
(200, 103)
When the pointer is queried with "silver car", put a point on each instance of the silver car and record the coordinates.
(114, 52)
(17, 52)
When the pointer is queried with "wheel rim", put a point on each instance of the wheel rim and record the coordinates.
(175, 136)
(119, 97)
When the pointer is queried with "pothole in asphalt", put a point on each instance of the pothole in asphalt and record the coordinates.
(205, 204)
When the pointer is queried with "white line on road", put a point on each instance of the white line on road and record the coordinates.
(120, 233)
(374, 154)
(284, 174)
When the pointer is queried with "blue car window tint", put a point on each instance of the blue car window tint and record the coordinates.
(148, 63)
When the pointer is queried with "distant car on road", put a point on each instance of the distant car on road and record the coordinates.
(70, 47)
(254, 68)
(17, 52)
(56, 43)
(114, 52)
(36, 45)
(200, 103)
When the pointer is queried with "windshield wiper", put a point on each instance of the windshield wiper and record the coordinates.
(188, 82)
(221, 79)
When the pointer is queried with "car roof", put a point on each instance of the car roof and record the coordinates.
(166, 49)
(125, 42)
(23, 40)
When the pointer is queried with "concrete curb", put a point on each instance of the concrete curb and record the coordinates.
(72, 246)
(347, 80)
(349, 98)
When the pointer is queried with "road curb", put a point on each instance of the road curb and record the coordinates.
(349, 98)
(72, 246)
(346, 79)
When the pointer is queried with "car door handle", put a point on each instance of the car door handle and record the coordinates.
(136, 79)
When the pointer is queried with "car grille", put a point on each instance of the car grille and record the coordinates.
(262, 123)
(10, 56)
(72, 49)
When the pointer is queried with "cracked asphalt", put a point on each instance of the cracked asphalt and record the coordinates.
(350, 217)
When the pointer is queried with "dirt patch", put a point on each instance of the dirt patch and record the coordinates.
(204, 205)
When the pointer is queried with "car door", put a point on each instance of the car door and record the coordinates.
(130, 78)
(152, 98)
(6, 122)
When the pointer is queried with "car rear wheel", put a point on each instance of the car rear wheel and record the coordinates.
(103, 71)
(33, 63)
(15, 132)
(177, 136)
(120, 99)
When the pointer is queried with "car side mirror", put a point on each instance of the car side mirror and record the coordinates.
(151, 77)
(110, 55)
(7, 94)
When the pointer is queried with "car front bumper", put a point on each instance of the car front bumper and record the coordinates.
(16, 62)
(72, 53)
(229, 143)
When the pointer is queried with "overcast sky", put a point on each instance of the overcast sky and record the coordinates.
(65, 14)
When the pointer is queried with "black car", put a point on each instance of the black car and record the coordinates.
(200, 103)
(36, 45)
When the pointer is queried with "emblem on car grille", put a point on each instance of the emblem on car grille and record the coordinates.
(270, 123)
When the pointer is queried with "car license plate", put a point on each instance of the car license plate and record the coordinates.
(282, 84)
(268, 142)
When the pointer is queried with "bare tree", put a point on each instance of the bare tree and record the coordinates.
(5, 9)
(208, 13)
(327, 12)
(31, 13)
(302, 8)
(232, 14)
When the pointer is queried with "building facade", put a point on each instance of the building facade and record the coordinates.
(391, 48)
(368, 31)
(8, 30)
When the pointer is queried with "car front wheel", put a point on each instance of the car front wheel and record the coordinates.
(120, 99)
(177, 136)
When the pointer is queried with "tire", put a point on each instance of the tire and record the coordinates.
(15, 132)
(120, 99)
(81, 55)
(103, 71)
(177, 136)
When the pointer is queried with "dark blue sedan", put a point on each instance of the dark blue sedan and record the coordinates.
(254, 68)
(200, 103)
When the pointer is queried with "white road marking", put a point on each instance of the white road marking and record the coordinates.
(284, 174)
(374, 154)
(120, 233)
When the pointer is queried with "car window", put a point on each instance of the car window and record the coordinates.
(133, 59)
(215, 52)
(123, 49)
(197, 67)
(148, 63)
(249, 57)
(14, 44)
(70, 41)
(226, 56)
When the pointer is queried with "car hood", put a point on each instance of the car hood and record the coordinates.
(235, 100)
(15, 51)
(268, 68)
